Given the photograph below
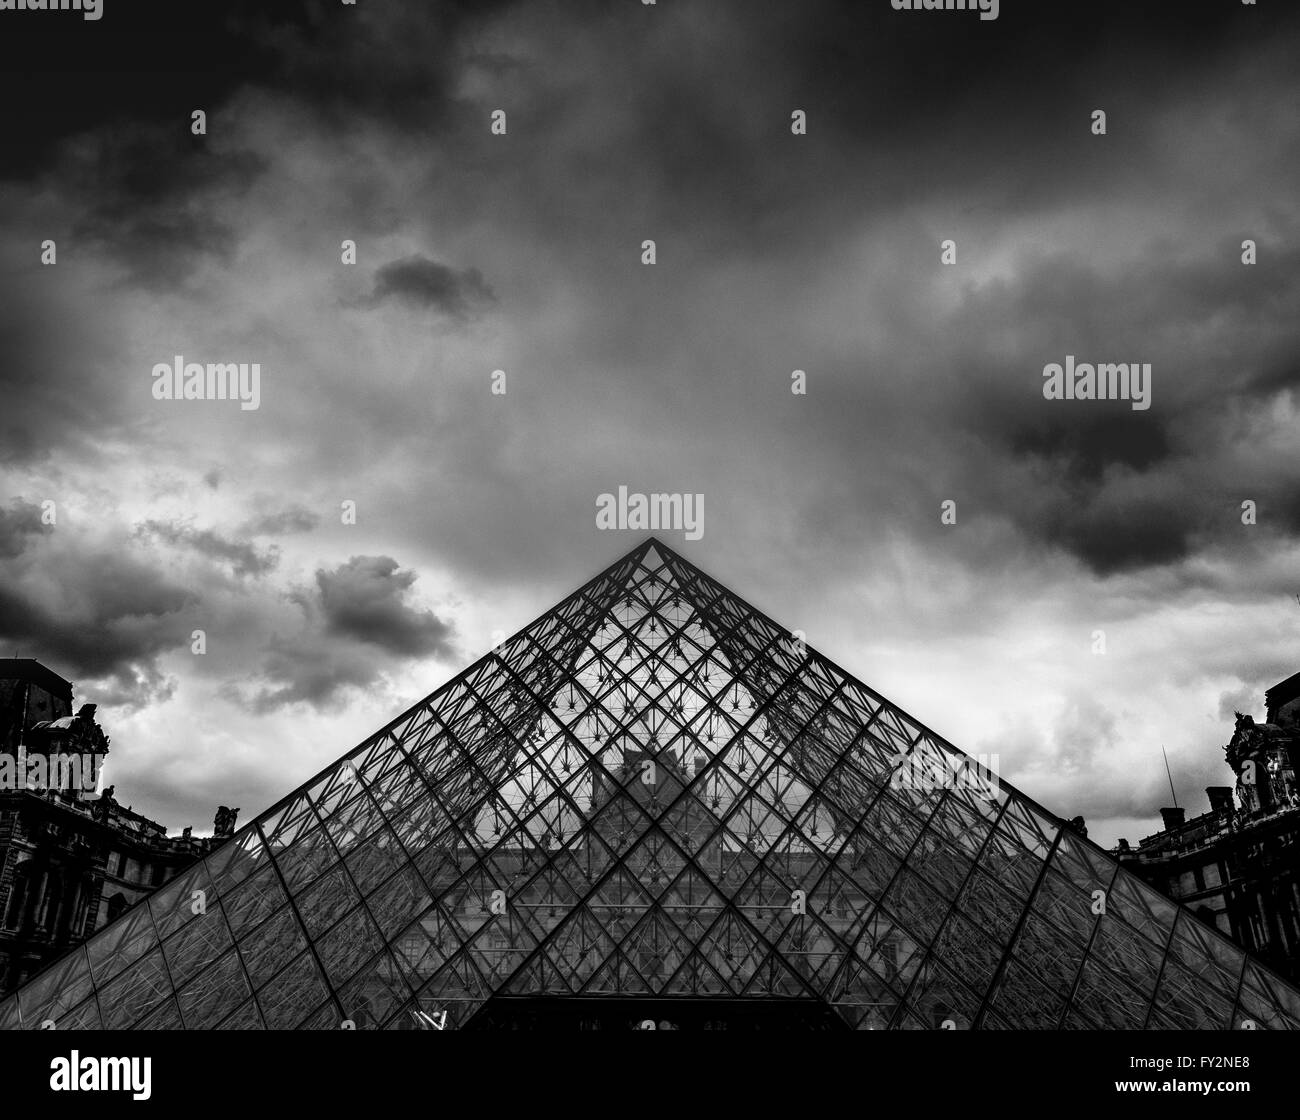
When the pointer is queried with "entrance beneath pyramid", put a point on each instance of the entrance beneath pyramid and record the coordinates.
(571, 1013)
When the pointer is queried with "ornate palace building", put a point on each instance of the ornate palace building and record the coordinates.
(71, 858)
(1238, 866)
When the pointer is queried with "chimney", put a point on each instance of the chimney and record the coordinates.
(1220, 798)
(1173, 818)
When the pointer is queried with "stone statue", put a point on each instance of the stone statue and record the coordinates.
(85, 734)
(105, 803)
(224, 825)
(1261, 755)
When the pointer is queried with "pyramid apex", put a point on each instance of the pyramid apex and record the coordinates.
(646, 544)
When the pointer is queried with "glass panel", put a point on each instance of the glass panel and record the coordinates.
(287, 999)
(213, 993)
(238, 858)
(985, 903)
(1266, 1003)
(1066, 906)
(1185, 1000)
(126, 940)
(375, 994)
(1053, 958)
(326, 901)
(917, 907)
(1025, 1004)
(940, 1001)
(1141, 908)
(1080, 863)
(246, 1018)
(55, 991)
(196, 945)
(1107, 1001)
(270, 947)
(135, 993)
(1206, 954)
(191, 894)
(253, 901)
(346, 947)
(400, 900)
(969, 952)
(84, 1017)
(165, 1018)
(1127, 954)
(310, 855)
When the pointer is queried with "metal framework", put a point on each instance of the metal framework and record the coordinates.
(654, 792)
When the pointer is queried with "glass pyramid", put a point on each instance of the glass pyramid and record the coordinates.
(654, 796)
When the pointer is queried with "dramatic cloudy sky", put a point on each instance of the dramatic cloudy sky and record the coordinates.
(776, 252)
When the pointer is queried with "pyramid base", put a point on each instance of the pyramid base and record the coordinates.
(619, 1013)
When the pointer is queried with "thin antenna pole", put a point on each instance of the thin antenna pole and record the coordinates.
(1171, 777)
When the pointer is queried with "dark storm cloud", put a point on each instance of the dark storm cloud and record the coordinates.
(392, 64)
(296, 519)
(974, 94)
(55, 399)
(1082, 446)
(98, 613)
(242, 556)
(365, 599)
(149, 61)
(152, 61)
(907, 111)
(17, 524)
(309, 672)
(358, 624)
(1122, 489)
(980, 98)
(154, 191)
(681, 117)
(1121, 537)
(422, 282)
(132, 687)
